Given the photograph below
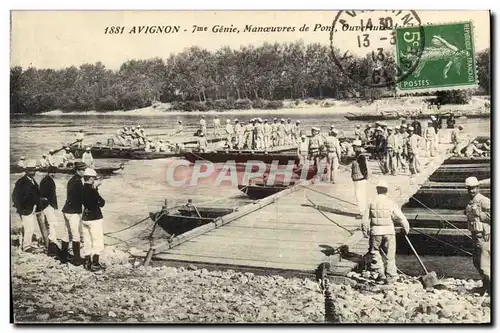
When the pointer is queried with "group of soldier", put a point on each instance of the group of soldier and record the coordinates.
(82, 214)
(257, 134)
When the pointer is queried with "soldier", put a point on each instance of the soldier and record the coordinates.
(229, 133)
(239, 130)
(357, 133)
(472, 149)
(22, 162)
(87, 158)
(72, 211)
(333, 155)
(413, 148)
(92, 220)
(26, 198)
(50, 158)
(288, 132)
(216, 126)
(378, 225)
(68, 158)
(403, 151)
(48, 191)
(430, 136)
(456, 135)
(315, 143)
(274, 132)
(417, 127)
(359, 176)
(259, 130)
(479, 222)
(303, 150)
(267, 134)
(368, 133)
(381, 149)
(202, 143)
(203, 125)
(282, 133)
(296, 133)
(79, 138)
(43, 163)
(180, 128)
(392, 148)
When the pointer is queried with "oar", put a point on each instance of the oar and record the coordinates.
(58, 150)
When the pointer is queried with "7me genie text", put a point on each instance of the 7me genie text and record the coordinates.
(216, 28)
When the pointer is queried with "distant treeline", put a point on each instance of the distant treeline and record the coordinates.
(250, 77)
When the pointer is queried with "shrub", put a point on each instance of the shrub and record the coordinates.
(310, 101)
(260, 103)
(453, 97)
(107, 103)
(274, 105)
(297, 101)
(327, 104)
(221, 104)
(243, 104)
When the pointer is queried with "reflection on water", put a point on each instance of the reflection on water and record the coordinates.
(140, 187)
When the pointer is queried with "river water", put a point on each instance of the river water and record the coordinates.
(140, 188)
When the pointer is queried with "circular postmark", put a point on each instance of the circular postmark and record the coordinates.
(363, 45)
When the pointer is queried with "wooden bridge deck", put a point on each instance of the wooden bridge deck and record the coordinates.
(285, 232)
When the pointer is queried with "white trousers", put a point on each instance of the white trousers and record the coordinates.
(93, 237)
(50, 215)
(28, 229)
(73, 227)
(360, 192)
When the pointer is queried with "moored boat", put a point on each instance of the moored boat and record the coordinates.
(261, 190)
(242, 156)
(179, 220)
(102, 151)
(373, 116)
(66, 170)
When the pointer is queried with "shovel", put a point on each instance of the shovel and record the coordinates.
(429, 279)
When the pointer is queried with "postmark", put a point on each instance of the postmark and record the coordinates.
(363, 44)
(447, 61)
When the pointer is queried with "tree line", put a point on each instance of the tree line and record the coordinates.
(259, 77)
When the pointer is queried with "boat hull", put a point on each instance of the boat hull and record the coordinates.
(243, 157)
(100, 171)
(122, 153)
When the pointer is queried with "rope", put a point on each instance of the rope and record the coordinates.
(328, 195)
(328, 218)
(126, 228)
(442, 218)
(441, 241)
(137, 236)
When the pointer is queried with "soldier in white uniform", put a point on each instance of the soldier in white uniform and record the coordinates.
(259, 129)
(229, 133)
(239, 130)
(79, 138)
(378, 225)
(359, 176)
(87, 158)
(22, 162)
(274, 133)
(430, 136)
(267, 134)
(315, 143)
(281, 133)
(216, 126)
(43, 163)
(303, 150)
(333, 155)
(203, 125)
(478, 213)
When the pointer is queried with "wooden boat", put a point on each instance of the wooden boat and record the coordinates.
(99, 170)
(467, 160)
(242, 156)
(373, 116)
(102, 151)
(261, 190)
(451, 198)
(182, 219)
(460, 174)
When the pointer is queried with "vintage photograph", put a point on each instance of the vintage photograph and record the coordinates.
(250, 167)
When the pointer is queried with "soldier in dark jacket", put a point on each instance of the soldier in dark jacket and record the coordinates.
(381, 149)
(92, 220)
(72, 211)
(26, 198)
(48, 191)
(417, 127)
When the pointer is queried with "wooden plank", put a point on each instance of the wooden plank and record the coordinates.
(212, 238)
(279, 227)
(438, 231)
(304, 267)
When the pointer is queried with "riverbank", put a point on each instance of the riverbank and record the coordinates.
(291, 107)
(132, 293)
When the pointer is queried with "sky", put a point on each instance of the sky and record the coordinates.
(58, 39)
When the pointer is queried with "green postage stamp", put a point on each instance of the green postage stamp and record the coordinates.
(436, 57)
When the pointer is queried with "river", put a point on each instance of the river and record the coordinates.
(140, 187)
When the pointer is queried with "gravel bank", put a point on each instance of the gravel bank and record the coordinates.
(46, 291)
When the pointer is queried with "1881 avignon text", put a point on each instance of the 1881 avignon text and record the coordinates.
(216, 28)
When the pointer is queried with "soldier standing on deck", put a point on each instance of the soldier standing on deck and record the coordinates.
(315, 143)
(72, 211)
(216, 126)
(26, 198)
(203, 125)
(267, 135)
(282, 133)
(79, 138)
(479, 222)
(378, 225)
(413, 149)
(48, 191)
(239, 130)
(333, 155)
(392, 148)
(357, 133)
(381, 150)
(403, 151)
(274, 133)
(259, 129)
(430, 136)
(359, 175)
(296, 133)
(229, 133)
(303, 150)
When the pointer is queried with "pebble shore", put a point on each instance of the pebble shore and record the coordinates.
(43, 290)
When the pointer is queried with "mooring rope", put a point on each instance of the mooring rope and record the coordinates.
(328, 218)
